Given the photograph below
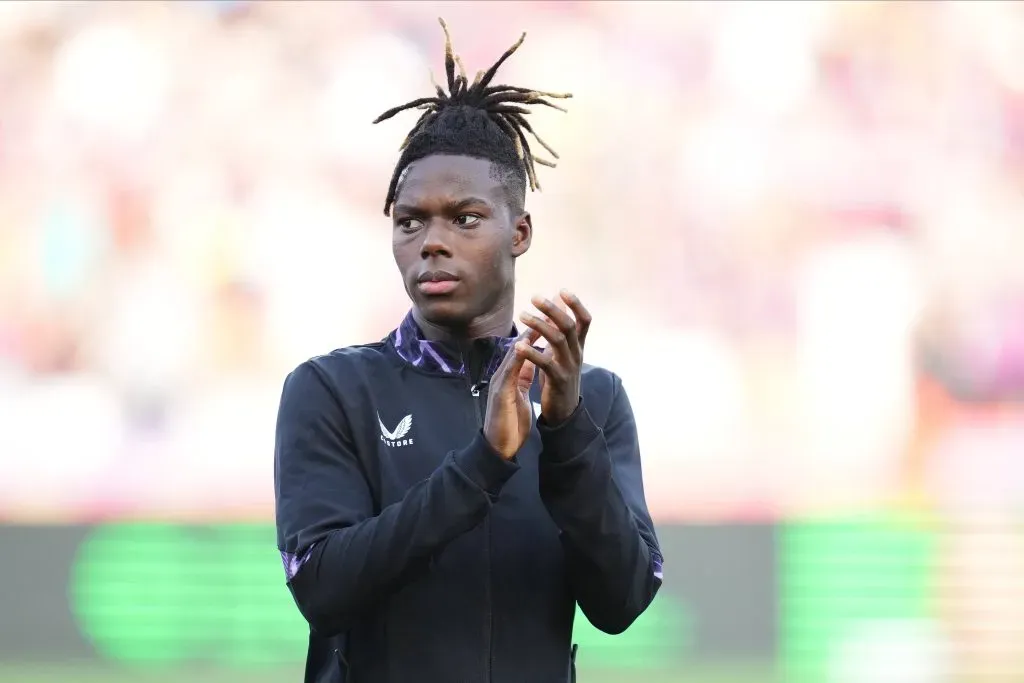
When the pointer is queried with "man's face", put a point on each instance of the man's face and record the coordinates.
(456, 238)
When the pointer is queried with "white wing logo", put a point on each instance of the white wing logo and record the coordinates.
(400, 431)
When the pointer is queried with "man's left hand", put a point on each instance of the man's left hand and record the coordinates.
(561, 362)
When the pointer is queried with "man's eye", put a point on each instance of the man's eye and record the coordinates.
(409, 224)
(467, 220)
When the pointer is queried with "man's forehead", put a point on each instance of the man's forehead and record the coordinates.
(449, 178)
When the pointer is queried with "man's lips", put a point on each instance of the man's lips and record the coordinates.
(437, 282)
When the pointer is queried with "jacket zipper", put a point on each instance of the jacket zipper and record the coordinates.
(478, 390)
(478, 387)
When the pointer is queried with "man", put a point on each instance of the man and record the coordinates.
(433, 528)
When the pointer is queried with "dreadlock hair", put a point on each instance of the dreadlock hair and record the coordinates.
(475, 119)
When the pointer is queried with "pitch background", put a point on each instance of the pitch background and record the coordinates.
(741, 603)
(170, 602)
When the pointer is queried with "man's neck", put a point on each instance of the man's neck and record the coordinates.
(497, 323)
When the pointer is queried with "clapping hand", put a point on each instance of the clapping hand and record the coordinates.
(562, 361)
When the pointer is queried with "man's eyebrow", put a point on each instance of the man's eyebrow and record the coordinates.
(449, 207)
(408, 208)
(468, 201)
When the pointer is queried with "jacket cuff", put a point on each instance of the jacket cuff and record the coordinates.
(566, 440)
(484, 466)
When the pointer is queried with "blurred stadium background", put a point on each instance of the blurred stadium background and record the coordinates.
(813, 208)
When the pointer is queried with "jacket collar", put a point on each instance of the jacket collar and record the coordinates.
(447, 357)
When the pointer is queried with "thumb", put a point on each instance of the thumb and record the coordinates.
(526, 375)
(510, 366)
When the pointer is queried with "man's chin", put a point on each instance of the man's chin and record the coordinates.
(443, 311)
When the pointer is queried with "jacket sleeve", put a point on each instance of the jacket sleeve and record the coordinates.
(591, 484)
(340, 559)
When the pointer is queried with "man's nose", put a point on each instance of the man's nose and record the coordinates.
(434, 240)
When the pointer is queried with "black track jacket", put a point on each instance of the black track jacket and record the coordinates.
(417, 554)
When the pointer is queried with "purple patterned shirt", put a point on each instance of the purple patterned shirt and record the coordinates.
(414, 348)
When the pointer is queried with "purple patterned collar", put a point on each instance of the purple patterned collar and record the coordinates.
(414, 348)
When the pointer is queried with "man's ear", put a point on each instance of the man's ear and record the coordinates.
(522, 235)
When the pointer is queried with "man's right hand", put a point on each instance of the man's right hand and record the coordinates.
(509, 417)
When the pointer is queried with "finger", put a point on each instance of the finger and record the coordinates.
(527, 373)
(562, 320)
(509, 366)
(516, 368)
(556, 339)
(529, 335)
(583, 317)
(544, 361)
(562, 306)
(560, 303)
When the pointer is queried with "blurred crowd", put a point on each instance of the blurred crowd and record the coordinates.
(794, 223)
